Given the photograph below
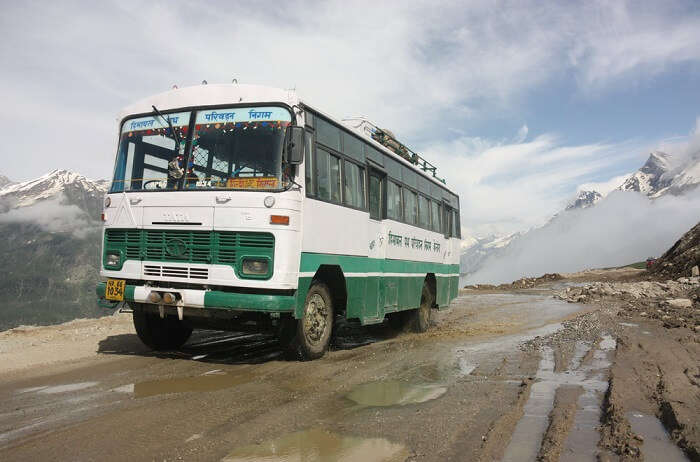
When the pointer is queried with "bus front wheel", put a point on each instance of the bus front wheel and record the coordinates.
(309, 337)
(159, 333)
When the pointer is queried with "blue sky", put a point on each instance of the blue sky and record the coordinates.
(519, 103)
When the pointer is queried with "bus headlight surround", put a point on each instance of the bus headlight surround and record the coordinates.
(255, 266)
(113, 258)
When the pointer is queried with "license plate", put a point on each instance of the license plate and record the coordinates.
(115, 289)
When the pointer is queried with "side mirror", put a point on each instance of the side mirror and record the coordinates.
(294, 145)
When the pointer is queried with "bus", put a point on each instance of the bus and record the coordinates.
(241, 207)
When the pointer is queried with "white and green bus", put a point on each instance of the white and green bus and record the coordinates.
(239, 207)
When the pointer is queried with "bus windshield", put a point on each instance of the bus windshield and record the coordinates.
(230, 148)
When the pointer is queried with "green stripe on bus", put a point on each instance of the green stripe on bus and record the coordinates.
(354, 264)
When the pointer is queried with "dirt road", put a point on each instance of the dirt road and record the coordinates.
(500, 376)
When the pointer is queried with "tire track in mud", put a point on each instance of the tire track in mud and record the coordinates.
(561, 416)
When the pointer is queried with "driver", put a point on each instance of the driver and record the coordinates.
(175, 171)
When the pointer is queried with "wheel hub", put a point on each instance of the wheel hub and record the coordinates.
(315, 318)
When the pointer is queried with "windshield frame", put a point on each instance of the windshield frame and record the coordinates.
(188, 143)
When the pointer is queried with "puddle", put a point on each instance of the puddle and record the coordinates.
(318, 445)
(209, 381)
(628, 324)
(525, 441)
(581, 442)
(657, 444)
(393, 393)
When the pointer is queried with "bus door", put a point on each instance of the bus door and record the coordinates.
(376, 198)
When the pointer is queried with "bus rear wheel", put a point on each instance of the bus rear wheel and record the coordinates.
(420, 318)
(159, 333)
(308, 338)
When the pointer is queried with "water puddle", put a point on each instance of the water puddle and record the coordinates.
(628, 324)
(209, 381)
(581, 442)
(394, 393)
(318, 445)
(657, 444)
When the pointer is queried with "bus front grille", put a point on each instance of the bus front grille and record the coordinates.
(176, 272)
(184, 246)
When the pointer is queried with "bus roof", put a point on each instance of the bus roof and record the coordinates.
(210, 95)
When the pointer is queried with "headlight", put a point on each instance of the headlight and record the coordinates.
(255, 266)
(113, 259)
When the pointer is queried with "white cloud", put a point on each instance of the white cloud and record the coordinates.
(506, 187)
(52, 215)
(522, 134)
(408, 65)
(604, 187)
(623, 228)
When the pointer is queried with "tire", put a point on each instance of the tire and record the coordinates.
(158, 333)
(308, 338)
(420, 318)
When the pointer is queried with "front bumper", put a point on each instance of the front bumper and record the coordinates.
(192, 298)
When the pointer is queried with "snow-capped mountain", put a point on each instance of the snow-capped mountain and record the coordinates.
(477, 249)
(585, 199)
(651, 178)
(50, 248)
(661, 175)
(69, 187)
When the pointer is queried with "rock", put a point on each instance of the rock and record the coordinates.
(695, 271)
(680, 302)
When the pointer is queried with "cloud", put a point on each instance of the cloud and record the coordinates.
(513, 186)
(623, 228)
(408, 65)
(604, 187)
(51, 215)
(522, 134)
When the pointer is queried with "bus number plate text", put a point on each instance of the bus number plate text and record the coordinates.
(115, 289)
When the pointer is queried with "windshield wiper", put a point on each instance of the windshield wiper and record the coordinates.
(172, 130)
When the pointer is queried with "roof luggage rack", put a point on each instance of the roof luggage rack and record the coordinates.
(387, 139)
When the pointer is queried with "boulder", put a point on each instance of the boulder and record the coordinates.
(679, 302)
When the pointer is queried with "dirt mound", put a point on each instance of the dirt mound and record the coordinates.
(522, 283)
(680, 259)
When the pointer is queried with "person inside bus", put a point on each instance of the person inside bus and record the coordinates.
(175, 171)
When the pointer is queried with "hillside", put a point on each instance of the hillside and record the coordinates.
(50, 248)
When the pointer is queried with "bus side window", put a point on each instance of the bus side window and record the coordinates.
(309, 164)
(322, 174)
(354, 184)
(447, 220)
(435, 209)
(375, 196)
(335, 179)
(455, 224)
(410, 203)
(423, 212)
(393, 201)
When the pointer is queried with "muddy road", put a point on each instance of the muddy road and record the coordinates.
(500, 376)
